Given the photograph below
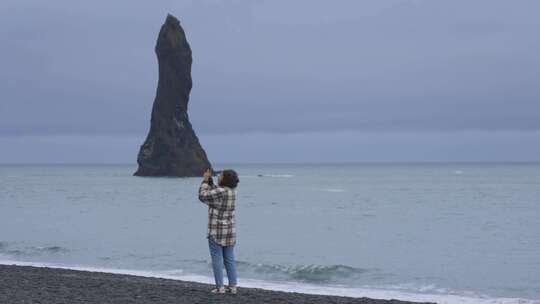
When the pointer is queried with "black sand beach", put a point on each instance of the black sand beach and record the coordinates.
(27, 284)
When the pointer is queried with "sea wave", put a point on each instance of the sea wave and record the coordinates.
(275, 175)
(299, 273)
(370, 292)
(332, 190)
(266, 175)
(15, 250)
(305, 273)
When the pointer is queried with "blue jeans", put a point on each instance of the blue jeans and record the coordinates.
(222, 255)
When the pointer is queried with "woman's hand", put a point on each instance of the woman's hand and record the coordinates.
(207, 174)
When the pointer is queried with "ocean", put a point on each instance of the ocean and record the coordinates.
(445, 232)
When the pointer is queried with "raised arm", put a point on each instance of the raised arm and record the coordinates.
(210, 194)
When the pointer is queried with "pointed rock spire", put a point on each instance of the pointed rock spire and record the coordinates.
(172, 147)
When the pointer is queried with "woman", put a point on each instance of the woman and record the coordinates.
(221, 201)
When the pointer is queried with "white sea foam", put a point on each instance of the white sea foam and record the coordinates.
(370, 292)
(332, 190)
(276, 175)
(267, 175)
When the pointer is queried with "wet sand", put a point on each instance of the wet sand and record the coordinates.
(28, 284)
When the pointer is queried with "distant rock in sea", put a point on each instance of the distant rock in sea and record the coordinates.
(172, 147)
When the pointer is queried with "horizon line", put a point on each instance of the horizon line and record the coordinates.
(290, 163)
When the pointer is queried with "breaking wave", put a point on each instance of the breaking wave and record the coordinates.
(299, 273)
(304, 273)
(21, 251)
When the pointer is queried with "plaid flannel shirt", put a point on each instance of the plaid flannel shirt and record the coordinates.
(221, 203)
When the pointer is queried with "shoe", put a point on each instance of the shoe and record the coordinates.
(218, 290)
(232, 289)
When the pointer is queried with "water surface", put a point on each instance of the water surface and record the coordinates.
(446, 229)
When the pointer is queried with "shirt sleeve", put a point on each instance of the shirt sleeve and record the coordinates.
(211, 195)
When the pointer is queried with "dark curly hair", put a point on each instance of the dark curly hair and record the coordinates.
(230, 178)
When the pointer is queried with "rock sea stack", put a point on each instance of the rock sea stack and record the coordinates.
(172, 147)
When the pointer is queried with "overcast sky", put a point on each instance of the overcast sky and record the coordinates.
(276, 81)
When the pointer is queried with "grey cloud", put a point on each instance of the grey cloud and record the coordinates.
(274, 66)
